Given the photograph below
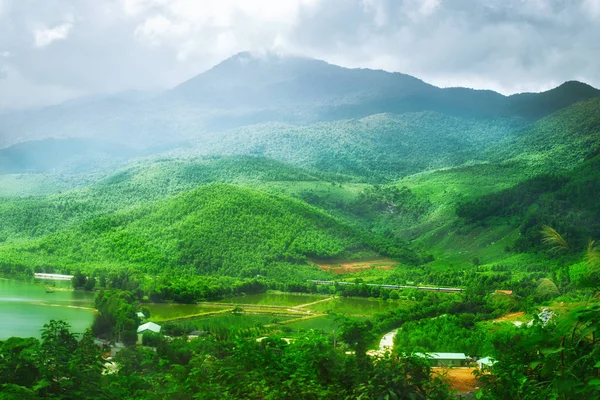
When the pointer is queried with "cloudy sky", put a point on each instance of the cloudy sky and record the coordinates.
(52, 50)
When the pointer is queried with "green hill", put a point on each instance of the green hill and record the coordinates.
(376, 148)
(213, 229)
(139, 184)
(558, 142)
(567, 202)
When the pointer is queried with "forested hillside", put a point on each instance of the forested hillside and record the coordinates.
(566, 201)
(558, 142)
(214, 229)
(377, 148)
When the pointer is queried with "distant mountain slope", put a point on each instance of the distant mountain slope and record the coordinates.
(251, 89)
(52, 155)
(375, 148)
(325, 91)
(214, 229)
(538, 105)
(558, 142)
(267, 81)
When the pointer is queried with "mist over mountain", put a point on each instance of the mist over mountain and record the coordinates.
(250, 89)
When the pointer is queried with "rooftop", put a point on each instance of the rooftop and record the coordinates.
(149, 326)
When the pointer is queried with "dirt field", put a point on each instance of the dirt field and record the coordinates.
(351, 267)
(510, 317)
(461, 378)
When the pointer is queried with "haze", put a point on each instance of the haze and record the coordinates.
(56, 50)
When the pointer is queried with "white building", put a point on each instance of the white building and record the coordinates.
(147, 327)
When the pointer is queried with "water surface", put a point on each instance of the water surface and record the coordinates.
(275, 299)
(358, 306)
(26, 306)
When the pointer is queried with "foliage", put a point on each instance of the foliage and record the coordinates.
(455, 333)
(214, 229)
(557, 360)
(553, 238)
(237, 366)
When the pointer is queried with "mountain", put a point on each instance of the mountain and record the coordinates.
(538, 105)
(274, 82)
(250, 89)
(558, 142)
(376, 148)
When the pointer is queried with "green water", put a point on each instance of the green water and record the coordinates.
(25, 307)
(162, 312)
(274, 299)
(226, 321)
(358, 307)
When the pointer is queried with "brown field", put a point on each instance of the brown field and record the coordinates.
(357, 266)
(510, 317)
(461, 378)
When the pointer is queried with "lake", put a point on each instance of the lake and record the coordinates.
(226, 321)
(26, 306)
(274, 299)
(353, 306)
(165, 311)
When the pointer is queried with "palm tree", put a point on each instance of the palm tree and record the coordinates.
(551, 237)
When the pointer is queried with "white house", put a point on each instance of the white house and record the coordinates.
(148, 326)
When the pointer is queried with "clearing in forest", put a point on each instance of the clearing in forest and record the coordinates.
(510, 317)
(347, 267)
(461, 378)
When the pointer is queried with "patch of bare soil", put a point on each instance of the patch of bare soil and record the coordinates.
(510, 317)
(357, 266)
(461, 378)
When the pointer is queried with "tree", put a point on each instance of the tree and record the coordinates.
(357, 335)
(19, 364)
(402, 378)
(78, 281)
(86, 367)
(56, 350)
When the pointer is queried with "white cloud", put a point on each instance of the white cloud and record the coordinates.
(45, 36)
(13, 83)
(507, 45)
(218, 28)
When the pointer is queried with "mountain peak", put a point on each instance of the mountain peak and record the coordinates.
(266, 67)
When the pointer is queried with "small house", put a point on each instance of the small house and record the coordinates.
(506, 292)
(140, 315)
(147, 327)
(445, 359)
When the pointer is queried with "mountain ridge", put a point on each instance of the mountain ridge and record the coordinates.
(245, 90)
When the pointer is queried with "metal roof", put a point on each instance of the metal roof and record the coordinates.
(149, 326)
